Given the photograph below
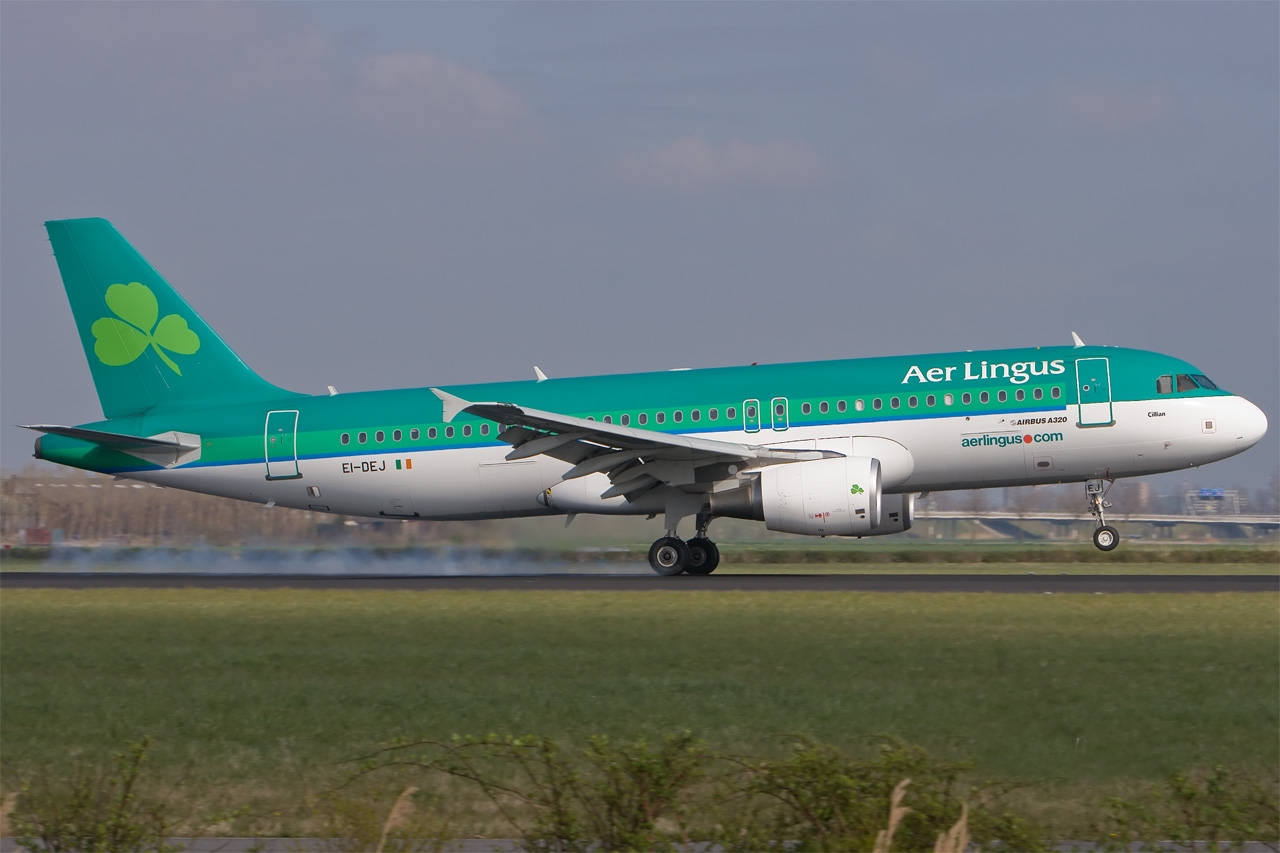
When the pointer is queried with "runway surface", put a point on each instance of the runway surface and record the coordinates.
(1026, 584)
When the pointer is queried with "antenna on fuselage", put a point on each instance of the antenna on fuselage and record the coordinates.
(1076, 340)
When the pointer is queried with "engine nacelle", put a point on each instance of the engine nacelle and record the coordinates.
(825, 497)
(897, 512)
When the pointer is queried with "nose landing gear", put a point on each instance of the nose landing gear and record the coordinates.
(1105, 537)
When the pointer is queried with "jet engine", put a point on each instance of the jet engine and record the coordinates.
(897, 512)
(824, 497)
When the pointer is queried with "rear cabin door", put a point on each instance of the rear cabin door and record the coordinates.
(1093, 387)
(280, 441)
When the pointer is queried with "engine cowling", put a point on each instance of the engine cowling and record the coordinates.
(824, 497)
(897, 512)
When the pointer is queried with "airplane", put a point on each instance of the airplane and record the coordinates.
(822, 448)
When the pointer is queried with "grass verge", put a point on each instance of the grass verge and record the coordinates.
(254, 700)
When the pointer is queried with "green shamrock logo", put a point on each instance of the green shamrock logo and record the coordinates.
(855, 489)
(118, 342)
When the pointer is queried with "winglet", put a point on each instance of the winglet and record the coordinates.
(1076, 340)
(453, 404)
(537, 372)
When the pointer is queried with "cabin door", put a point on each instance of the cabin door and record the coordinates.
(280, 440)
(1093, 389)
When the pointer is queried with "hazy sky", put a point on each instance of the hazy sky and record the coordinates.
(386, 195)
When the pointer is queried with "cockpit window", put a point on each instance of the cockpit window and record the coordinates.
(1164, 385)
(1186, 383)
(1204, 382)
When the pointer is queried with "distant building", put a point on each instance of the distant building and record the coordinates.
(1212, 502)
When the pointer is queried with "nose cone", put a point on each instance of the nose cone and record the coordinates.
(1249, 424)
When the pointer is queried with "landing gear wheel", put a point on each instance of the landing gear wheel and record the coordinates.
(704, 556)
(668, 556)
(1106, 538)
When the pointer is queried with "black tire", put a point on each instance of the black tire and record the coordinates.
(1106, 538)
(668, 556)
(704, 556)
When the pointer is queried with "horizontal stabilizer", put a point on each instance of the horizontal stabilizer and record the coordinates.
(167, 449)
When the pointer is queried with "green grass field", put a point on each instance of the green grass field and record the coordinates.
(255, 698)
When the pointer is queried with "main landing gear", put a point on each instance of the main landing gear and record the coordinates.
(1105, 537)
(671, 555)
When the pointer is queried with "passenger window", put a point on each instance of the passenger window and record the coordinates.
(607, 419)
(780, 409)
(642, 419)
(913, 401)
(484, 429)
(984, 397)
(893, 402)
(966, 398)
(1002, 396)
(1186, 383)
(751, 411)
(805, 408)
(841, 407)
(930, 400)
(414, 434)
(466, 430)
(1020, 395)
(448, 432)
(877, 404)
(431, 433)
(659, 417)
(345, 438)
(948, 399)
(1164, 384)
(1055, 392)
(731, 413)
(860, 406)
(379, 436)
(824, 407)
(396, 435)
(1038, 393)
(677, 416)
(695, 415)
(714, 414)
(362, 437)
(625, 420)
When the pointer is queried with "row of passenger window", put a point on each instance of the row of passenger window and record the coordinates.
(931, 400)
(841, 406)
(750, 413)
(379, 436)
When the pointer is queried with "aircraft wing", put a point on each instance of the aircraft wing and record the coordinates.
(635, 460)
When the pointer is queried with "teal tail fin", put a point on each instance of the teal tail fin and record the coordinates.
(145, 346)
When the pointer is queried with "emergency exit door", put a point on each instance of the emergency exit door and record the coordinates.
(280, 441)
(1093, 389)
